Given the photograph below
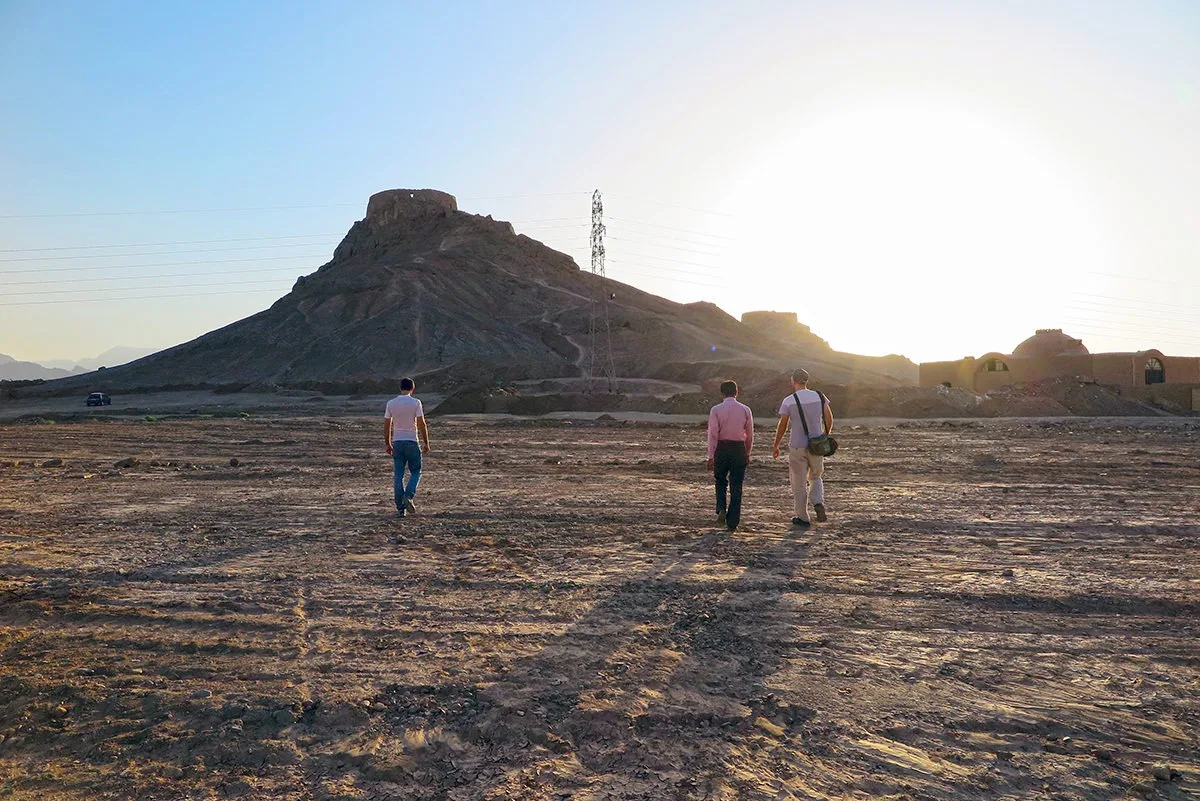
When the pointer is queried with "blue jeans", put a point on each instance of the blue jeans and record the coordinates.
(406, 452)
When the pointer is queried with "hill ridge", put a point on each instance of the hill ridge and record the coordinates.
(420, 287)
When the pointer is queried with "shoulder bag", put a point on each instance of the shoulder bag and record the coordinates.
(822, 444)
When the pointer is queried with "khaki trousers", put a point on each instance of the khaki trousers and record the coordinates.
(805, 467)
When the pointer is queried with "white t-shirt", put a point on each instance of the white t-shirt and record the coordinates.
(404, 411)
(810, 403)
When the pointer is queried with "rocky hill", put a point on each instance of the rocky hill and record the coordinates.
(419, 287)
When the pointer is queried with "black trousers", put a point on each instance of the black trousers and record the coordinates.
(729, 470)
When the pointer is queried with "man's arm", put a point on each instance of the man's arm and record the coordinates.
(713, 433)
(749, 431)
(828, 419)
(423, 434)
(387, 433)
(780, 430)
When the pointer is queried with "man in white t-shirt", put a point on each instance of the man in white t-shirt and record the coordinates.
(804, 467)
(403, 423)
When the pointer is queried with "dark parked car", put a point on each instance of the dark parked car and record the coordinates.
(99, 399)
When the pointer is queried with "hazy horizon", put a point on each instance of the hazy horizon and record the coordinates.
(944, 180)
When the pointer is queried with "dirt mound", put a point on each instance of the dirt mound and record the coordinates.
(1056, 398)
(420, 287)
(870, 401)
(509, 400)
(1078, 396)
(1015, 405)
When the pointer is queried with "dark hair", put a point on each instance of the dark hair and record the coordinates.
(407, 384)
(728, 388)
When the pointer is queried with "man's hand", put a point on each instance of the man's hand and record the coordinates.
(780, 430)
(711, 463)
(425, 449)
(389, 449)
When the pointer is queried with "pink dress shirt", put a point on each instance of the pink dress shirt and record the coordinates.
(730, 419)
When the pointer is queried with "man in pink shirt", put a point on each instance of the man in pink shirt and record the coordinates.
(730, 438)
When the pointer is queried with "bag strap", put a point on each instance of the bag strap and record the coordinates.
(800, 413)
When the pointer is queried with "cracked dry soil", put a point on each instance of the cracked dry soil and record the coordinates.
(994, 611)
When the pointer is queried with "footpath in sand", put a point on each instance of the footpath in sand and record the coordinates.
(1008, 610)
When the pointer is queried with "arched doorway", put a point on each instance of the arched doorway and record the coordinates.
(993, 366)
(1155, 373)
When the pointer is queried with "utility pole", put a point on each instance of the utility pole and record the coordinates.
(600, 355)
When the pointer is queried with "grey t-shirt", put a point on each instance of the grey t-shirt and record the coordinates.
(404, 411)
(810, 404)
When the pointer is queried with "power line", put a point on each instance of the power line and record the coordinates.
(644, 273)
(1093, 328)
(663, 272)
(672, 261)
(140, 297)
(165, 244)
(668, 247)
(1126, 336)
(155, 253)
(139, 288)
(1088, 329)
(1147, 334)
(686, 208)
(1151, 305)
(1133, 314)
(515, 197)
(152, 277)
(172, 211)
(536, 223)
(160, 264)
(538, 228)
(250, 208)
(1113, 327)
(670, 228)
(1091, 315)
(684, 240)
(1146, 278)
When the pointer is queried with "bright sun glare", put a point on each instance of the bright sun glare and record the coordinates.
(913, 222)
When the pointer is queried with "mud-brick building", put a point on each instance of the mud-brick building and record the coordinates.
(1049, 353)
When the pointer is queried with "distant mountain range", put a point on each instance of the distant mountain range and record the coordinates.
(14, 370)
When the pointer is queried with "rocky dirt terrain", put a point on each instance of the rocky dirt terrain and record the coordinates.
(995, 610)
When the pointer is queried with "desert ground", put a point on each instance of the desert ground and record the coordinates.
(1000, 609)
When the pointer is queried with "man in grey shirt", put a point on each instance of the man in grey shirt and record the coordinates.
(804, 467)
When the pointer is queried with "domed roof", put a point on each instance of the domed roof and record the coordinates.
(1050, 342)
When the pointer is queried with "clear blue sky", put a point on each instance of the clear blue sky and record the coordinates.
(1004, 165)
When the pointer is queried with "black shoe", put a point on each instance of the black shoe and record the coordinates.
(409, 505)
(720, 518)
(819, 508)
(732, 528)
(800, 521)
(400, 513)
